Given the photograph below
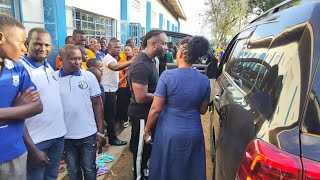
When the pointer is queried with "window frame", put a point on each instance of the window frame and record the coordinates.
(102, 26)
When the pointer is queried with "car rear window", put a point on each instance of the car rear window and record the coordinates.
(311, 122)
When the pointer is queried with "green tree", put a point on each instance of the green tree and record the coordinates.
(225, 17)
(259, 6)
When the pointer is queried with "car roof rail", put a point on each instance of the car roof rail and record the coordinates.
(272, 10)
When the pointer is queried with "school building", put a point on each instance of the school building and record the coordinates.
(122, 19)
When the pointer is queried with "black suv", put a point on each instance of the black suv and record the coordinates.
(267, 98)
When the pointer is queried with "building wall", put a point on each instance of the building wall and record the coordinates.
(33, 14)
(108, 8)
(158, 8)
(138, 14)
(144, 16)
(58, 16)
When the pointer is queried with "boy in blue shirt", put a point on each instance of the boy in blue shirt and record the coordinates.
(18, 100)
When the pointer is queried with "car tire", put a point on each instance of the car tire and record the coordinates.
(214, 168)
(212, 136)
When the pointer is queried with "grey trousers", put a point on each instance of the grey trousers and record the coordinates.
(15, 169)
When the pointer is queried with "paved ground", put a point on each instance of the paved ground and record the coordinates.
(116, 151)
(122, 170)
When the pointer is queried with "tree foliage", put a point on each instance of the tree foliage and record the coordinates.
(225, 17)
(259, 6)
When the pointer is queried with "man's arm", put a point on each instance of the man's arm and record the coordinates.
(141, 94)
(154, 113)
(117, 67)
(26, 105)
(35, 156)
(99, 117)
(98, 113)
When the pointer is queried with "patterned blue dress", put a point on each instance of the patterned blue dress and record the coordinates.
(178, 151)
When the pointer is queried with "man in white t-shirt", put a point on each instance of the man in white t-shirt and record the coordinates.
(46, 129)
(110, 80)
(83, 113)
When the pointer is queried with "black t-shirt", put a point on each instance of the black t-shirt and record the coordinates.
(142, 71)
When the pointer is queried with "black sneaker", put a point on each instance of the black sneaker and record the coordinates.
(117, 142)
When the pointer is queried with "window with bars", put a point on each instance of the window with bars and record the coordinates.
(93, 25)
(5, 7)
(143, 31)
(134, 28)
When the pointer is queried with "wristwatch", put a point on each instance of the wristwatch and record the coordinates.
(101, 135)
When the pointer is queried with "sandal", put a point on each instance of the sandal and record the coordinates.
(61, 169)
(106, 158)
(126, 124)
(107, 145)
(100, 163)
(102, 171)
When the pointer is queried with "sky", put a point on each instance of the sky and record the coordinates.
(195, 12)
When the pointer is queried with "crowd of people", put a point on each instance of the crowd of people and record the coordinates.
(71, 109)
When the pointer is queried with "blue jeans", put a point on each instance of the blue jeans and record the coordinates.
(81, 156)
(54, 149)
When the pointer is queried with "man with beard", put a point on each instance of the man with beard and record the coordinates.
(142, 79)
(47, 129)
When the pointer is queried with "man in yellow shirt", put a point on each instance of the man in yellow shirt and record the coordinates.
(218, 51)
(79, 38)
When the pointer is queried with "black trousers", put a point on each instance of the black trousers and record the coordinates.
(110, 113)
(141, 151)
(123, 100)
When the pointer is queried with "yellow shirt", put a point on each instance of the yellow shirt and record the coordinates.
(90, 54)
(218, 53)
(84, 66)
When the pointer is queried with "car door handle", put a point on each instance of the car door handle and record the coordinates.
(238, 82)
(217, 98)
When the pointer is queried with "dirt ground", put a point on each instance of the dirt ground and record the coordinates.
(122, 170)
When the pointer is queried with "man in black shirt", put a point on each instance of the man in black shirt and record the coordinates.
(142, 79)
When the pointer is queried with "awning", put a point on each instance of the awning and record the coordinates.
(176, 35)
(175, 8)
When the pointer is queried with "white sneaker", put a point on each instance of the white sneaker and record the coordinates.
(146, 172)
(126, 124)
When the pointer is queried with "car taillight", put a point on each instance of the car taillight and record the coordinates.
(264, 161)
(311, 169)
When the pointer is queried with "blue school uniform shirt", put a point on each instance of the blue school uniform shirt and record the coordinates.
(100, 55)
(13, 79)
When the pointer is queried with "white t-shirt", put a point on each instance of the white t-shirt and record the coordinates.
(76, 92)
(50, 123)
(110, 78)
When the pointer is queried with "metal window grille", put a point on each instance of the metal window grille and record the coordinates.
(143, 31)
(93, 25)
(5, 7)
(134, 27)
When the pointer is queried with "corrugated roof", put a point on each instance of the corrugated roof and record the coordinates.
(175, 8)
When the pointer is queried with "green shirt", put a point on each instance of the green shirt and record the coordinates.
(169, 57)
